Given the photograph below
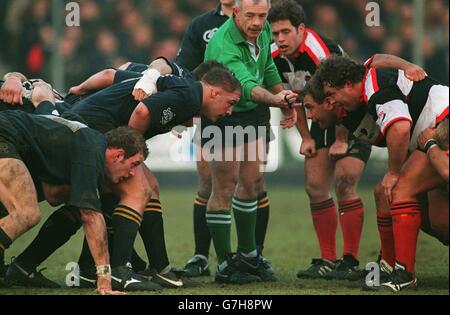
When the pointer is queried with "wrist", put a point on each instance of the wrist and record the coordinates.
(103, 270)
(431, 143)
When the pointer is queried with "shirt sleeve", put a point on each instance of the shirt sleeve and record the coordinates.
(84, 186)
(123, 75)
(391, 112)
(191, 52)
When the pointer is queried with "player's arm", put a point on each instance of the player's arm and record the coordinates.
(340, 146)
(428, 142)
(146, 86)
(96, 236)
(397, 140)
(96, 82)
(412, 71)
(11, 90)
(140, 118)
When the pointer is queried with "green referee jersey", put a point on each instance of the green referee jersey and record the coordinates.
(231, 48)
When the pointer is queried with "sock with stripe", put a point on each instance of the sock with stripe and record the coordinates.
(152, 233)
(245, 217)
(406, 222)
(219, 225)
(351, 218)
(60, 226)
(125, 224)
(202, 236)
(262, 220)
(384, 222)
(324, 217)
(5, 241)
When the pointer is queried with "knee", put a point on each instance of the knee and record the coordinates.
(32, 217)
(404, 189)
(205, 186)
(151, 190)
(316, 191)
(249, 187)
(345, 186)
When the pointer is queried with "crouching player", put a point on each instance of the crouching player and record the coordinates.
(386, 108)
(62, 152)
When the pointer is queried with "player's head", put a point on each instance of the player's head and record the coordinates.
(222, 91)
(441, 134)
(318, 106)
(251, 16)
(126, 150)
(341, 78)
(287, 20)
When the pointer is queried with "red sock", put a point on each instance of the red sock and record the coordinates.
(351, 217)
(325, 223)
(406, 223)
(384, 222)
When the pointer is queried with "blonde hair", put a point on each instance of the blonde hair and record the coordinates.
(441, 135)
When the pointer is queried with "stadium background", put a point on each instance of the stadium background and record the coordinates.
(112, 32)
(36, 42)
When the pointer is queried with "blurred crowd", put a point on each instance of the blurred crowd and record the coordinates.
(112, 32)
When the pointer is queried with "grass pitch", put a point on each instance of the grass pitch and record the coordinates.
(290, 245)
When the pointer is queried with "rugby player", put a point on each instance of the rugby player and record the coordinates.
(297, 51)
(396, 111)
(62, 152)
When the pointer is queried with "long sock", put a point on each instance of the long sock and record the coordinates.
(406, 223)
(219, 224)
(351, 218)
(245, 218)
(60, 226)
(262, 220)
(125, 223)
(384, 222)
(5, 241)
(152, 233)
(202, 236)
(325, 223)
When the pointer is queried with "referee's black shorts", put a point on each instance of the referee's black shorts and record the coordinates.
(237, 129)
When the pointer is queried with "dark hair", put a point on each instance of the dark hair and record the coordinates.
(204, 67)
(222, 77)
(336, 71)
(314, 88)
(287, 10)
(128, 139)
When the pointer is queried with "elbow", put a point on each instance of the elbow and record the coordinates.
(108, 76)
(88, 216)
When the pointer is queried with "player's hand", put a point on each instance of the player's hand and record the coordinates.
(308, 147)
(42, 92)
(388, 183)
(139, 94)
(426, 135)
(415, 73)
(338, 150)
(146, 86)
(11, 91)
(290, 118)
(77, 90)
(104, 287)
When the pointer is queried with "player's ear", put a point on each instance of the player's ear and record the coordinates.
(235, 10)
(119, 155)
